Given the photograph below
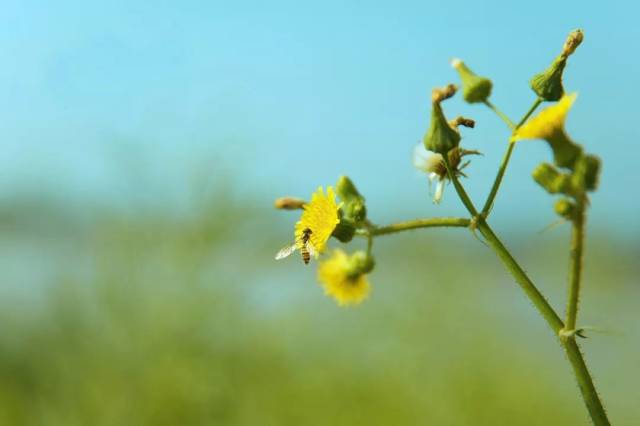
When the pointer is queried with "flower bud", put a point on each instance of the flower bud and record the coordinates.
(587, 172)
(565, 208)
(440, 136)
(548, 177)
(565, 151)
(360, 263)
(548, 84)
(353, 208)
(344, 231)
(289, 203)
(573, 41)
(474, 88)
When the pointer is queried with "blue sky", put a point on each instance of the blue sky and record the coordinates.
(281, 97)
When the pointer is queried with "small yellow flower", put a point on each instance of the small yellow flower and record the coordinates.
(342, 281)
(320, 216)
(548, 123)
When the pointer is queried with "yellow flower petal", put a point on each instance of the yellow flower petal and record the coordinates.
(548, 122)
(320, 215)
(346, 289)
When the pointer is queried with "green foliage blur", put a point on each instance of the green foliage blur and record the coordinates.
(147, 316)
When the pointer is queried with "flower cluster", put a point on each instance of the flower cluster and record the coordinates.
(343, 276)
(442, 158)
(574, 173)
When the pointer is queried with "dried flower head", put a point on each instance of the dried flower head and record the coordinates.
(433, 165)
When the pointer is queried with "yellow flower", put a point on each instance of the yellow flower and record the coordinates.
(548, 123)
(342, 281)
(320, 217)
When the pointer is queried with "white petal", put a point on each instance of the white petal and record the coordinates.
(433, 162)
(439, 191)
(420, 157)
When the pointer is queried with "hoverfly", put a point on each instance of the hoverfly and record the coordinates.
(303, 243)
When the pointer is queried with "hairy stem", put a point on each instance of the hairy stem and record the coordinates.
(420, 223)
(532, 292)
(505, 159)
(585, 382)
(575, 271)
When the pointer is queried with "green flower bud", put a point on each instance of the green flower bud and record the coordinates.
(573, 41)
(548, 84)
(592, 172)
(565, 152)
(440, 136)
(354, 209)
(552, 180)
(360, 263)
(587, 172)
(474, 88)
(344, 231)
(565, 208)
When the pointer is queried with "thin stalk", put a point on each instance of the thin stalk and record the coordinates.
(419, 223)
(505, 159)
(533, 107)
(500, 114)
(369, 228)
(575, 271)
(498, 181)
(585, 382)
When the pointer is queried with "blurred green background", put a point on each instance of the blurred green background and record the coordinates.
(143, 144)
(142, 317)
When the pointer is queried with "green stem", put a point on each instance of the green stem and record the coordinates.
(500, 114)
(575, 271)
(498, 181)
(585, 382)
(532, 292)
(505, 159)
(419, 223)
(533, 107)
(459, 189)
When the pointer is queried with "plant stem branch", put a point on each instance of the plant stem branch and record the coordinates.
(505, 159)
(419, 223)
(532, 292)
(498, 181)
(575, 271)
(533, 107)
(585, 382)
(500, 114)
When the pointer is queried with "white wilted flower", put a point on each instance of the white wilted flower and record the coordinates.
(433, 165)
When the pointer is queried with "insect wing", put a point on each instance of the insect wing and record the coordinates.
(286, 251)
(311, 249)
